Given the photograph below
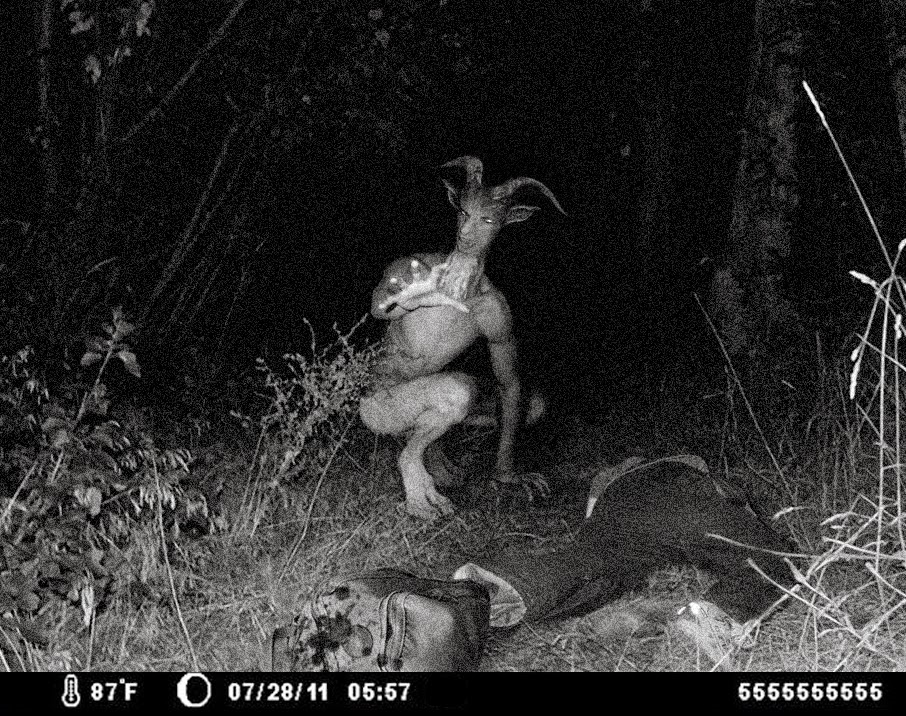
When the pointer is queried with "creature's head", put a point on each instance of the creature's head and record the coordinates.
(485, 210)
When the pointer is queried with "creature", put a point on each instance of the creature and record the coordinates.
(437, 307)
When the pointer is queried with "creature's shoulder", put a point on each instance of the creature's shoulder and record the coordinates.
(488, 289)
(492, 312)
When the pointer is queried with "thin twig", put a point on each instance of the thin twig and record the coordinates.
(12, 500)
(189, 235)
(163, 546)
(742, 392)
(246, 495)
(91, 632)
(12, 648)
(311, 506)
(852, 179)
(155, 112)
(756, 548)
(882, 415)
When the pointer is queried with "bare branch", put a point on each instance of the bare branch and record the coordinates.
(218, 35)
(189, 235)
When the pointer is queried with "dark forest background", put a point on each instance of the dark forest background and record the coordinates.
(224, 170)
(190, 189)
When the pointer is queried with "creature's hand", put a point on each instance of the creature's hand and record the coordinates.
(421, 291)
(459, 275)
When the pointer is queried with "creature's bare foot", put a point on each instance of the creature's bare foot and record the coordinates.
(532, 482)
(429, 507)
(422, 498)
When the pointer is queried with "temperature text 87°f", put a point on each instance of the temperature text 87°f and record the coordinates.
(276, 691)
(112, 691)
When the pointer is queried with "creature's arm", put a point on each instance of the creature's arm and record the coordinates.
(461, 276)
(495, 321)
(497, 324)
(408, 284)
(503, 361)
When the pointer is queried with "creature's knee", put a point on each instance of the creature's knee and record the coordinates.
(379, 416)
(430, 404)
(456, 398)
(367, 414)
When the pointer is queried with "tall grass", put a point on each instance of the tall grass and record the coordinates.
(839, 474)
(853, 586)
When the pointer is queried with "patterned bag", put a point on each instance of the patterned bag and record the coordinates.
(387, 620)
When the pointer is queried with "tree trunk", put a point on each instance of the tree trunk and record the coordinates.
(653, 67)
(893, 15)
(48, 132)
(656, 161)
(746, 300)
(97, 114)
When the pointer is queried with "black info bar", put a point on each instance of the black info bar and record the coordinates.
(261, 692)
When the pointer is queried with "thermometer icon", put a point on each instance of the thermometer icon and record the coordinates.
(71, 696)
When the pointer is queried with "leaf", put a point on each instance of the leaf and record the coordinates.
(90, 358)
(93, 68)
(142, 16)
(854, 378)
(98, 403)
(89, 497)
(864, 279)
(88, 604)
(103, 438)
(29, 631)
(95, 562)
(98, 344)
(129, 362)
(50, 570)
(53, 423)
(80, 23)
(124, 329)
(59, 438)
(29, 601)
(19, 584)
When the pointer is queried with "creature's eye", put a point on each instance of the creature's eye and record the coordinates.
(487, 219)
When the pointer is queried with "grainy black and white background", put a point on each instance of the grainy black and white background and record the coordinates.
(228, 170)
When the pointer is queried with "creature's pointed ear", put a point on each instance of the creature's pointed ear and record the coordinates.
(452, 194)
(519, 213)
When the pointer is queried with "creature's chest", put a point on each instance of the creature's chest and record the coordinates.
(437, 334)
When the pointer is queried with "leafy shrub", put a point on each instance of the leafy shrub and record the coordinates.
(78, 489)
(310, 402)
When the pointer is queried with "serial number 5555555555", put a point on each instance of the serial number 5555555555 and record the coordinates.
(810, 691)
